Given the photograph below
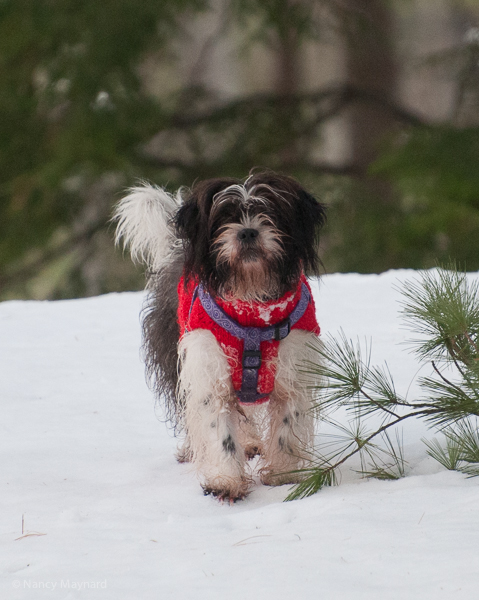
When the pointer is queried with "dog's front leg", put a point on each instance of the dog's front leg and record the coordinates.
(210, 418)
(288, 445)
(290, 436)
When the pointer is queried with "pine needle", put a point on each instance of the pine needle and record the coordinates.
(318, 479)
(395, 467)
(448, 456)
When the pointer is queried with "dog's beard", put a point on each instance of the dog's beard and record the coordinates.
(249, 271)
(251, 280)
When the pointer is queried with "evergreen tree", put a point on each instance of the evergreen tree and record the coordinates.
(79, 123)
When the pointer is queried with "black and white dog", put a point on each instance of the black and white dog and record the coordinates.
(228, 319)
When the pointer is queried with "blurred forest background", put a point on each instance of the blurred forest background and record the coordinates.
(372, 104)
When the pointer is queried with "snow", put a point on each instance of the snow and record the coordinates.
(88, 464)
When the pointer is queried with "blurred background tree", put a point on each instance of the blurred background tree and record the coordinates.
(372, 104)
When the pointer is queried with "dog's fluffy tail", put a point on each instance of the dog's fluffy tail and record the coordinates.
(144, 224)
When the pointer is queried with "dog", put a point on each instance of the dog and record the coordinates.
(228, 318)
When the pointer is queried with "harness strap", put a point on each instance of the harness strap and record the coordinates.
(252, 336)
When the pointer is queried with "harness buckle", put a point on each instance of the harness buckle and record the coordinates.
(255, 354)
(278, 330)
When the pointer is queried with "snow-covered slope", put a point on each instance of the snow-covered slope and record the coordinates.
(109, 514)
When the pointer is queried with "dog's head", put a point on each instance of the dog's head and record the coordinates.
(250, 240)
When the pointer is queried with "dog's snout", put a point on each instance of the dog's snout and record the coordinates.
(248, 235)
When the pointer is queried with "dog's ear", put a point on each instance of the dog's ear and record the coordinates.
(186, 219)
(190, 228)
(311, 212)
(193, 227)
(310, 218)
(192, 218)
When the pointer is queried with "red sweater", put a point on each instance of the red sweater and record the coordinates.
(247, 314)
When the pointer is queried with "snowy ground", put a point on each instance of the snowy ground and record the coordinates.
(109, 514)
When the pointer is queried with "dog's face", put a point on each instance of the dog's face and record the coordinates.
(250, 240)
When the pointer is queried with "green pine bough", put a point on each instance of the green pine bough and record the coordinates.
(442, 309)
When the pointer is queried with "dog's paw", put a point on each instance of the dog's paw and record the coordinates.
(226, 495)
(277, 478)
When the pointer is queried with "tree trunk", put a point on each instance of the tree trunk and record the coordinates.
(371, 66)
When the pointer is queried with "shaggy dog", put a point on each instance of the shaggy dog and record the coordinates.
(228, 318)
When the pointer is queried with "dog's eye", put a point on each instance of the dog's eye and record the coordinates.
(227, 216)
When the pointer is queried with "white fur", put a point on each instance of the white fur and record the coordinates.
(143, 223)
(210, 418)
(269, 238)
(243, 194)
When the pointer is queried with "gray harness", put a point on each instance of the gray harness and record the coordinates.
(252, 337)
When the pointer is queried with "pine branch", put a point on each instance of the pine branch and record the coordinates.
(446, 381)
(321, 474)
(351, 381)
(340, 97)
(444, 308)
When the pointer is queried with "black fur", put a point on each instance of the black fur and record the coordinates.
(161, 333)
(228, 445)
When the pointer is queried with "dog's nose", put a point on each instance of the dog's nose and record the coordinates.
(248, 235)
